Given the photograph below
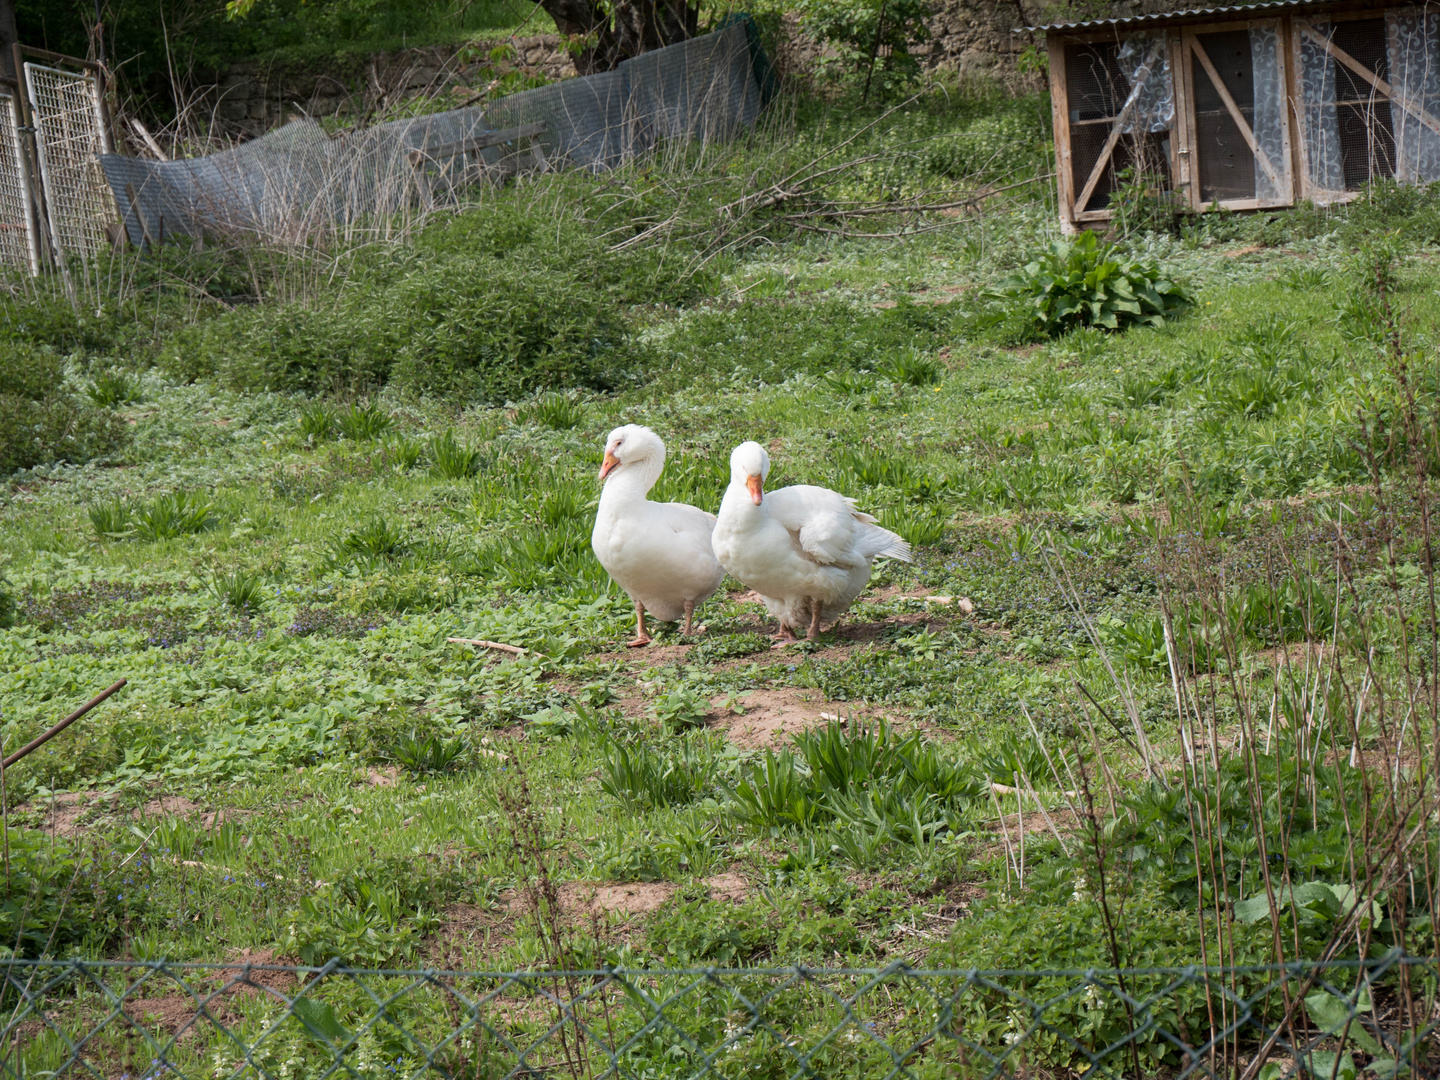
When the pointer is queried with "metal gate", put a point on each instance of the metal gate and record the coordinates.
(69, 139)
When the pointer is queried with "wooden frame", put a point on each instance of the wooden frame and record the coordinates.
(1195, 54)
(1288, 174)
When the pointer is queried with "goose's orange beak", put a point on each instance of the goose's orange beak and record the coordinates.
(755, 483)
(608, 465)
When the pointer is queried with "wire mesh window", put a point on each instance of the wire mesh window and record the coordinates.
(17, 240)
(1367, 132)
(1225, 161)
(1097, 90)
(66, 108)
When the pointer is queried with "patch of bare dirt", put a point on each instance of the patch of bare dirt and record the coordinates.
(258, 979)
(468, 932)
(178, 1016)
(63, 813)
(1248, 249)
(582, 898)
(772, 715)
(634, 898)
(385, 777)
(728, 887)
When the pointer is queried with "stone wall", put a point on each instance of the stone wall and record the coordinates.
(970, 37)
(250, 97)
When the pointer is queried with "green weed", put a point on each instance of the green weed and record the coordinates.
(1083, 283)
(554, 411)
(317, 421)
(169, 517)
(111, 519)
(108, 389)
(363, 423)
(451, 459)
(239, 591)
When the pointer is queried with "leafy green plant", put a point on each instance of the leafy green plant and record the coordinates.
(239, 591)
(40, 421)
(920, 527)
(775, 794)
(649, 778)
(111, 388)
(1082, 282)
(422, 755)
(870, 39)
(377, 538)
(681, 709)
(910, 367)
(558, 412)
(180, 513)
(364, 423)
(451, 459)
(848, 383)
(718, 647)
(317, 421)
(404, 454)
(110, 519)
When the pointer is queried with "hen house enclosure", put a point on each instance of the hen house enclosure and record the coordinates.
(1244, 108)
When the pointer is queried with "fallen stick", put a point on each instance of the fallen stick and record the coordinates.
(41, 740)
(482, 643)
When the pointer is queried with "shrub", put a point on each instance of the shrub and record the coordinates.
(41, 422)
(859, 31)
(1083, 282)
(475, 327)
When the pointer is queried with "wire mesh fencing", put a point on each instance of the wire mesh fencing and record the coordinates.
(297, 180)
(69, 140)
(18, 243)
(1327, 1020)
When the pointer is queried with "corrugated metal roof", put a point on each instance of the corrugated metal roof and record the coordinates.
(1274, 7)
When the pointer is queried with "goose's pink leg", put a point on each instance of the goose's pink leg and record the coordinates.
(689, 616)
(814, 631)
(641, 637)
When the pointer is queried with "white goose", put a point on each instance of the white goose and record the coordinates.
(659, 553)
(806, 550)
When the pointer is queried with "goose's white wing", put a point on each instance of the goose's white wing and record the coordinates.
(829, 530)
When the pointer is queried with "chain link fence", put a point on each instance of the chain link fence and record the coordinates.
(1327, 1020)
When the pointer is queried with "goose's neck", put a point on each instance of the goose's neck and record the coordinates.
(741, 508)
(632, 481)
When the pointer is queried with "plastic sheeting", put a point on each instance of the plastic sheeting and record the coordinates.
(1319, 117)
(1268, 119)
(296, 179)
(1151, 83)
(1413, 54)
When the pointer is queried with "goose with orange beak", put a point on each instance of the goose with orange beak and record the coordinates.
(659, 553)
(806, 550)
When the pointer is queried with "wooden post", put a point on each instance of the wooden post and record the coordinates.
(1060, 120)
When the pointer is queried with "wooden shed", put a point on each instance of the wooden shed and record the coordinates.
(1245, 107)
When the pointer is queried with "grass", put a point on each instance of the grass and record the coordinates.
(1170, 607)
